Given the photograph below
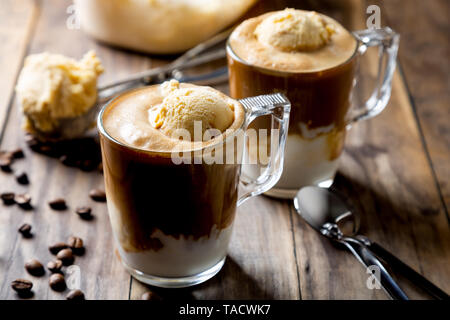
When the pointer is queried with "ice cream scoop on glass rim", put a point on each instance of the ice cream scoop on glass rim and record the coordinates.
(173, 116)
(190, 108)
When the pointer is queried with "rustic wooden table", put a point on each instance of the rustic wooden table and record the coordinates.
(395, 171)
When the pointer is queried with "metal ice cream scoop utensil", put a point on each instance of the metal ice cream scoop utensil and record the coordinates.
(207, 51)
(330, 215)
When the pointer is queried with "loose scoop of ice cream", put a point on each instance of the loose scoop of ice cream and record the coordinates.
(52, 87)
(195, 109)
(294, 30)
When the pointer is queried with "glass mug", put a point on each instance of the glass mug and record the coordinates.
(321, 97)
(172, 222)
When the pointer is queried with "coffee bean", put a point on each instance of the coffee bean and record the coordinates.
(75, 295)
(35, 268)
(45, 148)
(67, 160)
(76, 244)
(18, 153)
(25, 230)
(6, 169)
(57, 282)
(55, 266)
(22, 287)
(58, 204)
(100, 167)
(22, 178)
(150, 296)
(85, 213)
(66, 256)
(87, 165)
(32, 142)
(97, 195)
(8, 198)
(57, 247)
(6, 160)
(23, 200)
(5, 163)
(6, 155)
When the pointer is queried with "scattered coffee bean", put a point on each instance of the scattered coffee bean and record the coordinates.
(150, 296)
(25, 230)
(66, 256)
(67, 161)
(22, 287)
(55, 266)
(58, 204)
(8, 198)
(32, 142)
(6, 169)
(57, 247)
(85, 213)
(57, 282)
(76, 244)
(22, 178)
(8, 155)
(75, 295)
(87, 165)
(35, 268)
(23, 200)
(5, 160)
(44, 148)
(98, 195)
(18, 153)
(5, 163)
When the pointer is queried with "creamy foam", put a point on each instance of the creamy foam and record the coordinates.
(293, 41)
(146, 118)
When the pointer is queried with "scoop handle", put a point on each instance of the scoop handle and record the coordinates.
(405, 270)
(370, 261)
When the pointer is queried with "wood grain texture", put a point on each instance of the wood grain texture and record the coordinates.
(384, 173)
(17, 21)
(102, 276)
(424, 58)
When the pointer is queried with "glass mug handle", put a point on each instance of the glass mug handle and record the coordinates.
(387, 41)
(279, 107)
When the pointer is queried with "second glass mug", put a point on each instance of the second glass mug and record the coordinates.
(319, 96)
(172, 221)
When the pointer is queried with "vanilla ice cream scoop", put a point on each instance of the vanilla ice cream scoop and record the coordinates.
(53, 88)
(294, 30)
(192, 109)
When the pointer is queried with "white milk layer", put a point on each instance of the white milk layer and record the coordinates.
(178, 257)
(306, 162)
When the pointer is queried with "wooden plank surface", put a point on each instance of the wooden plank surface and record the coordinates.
(17, 21)
(102, 276)
(425, 63)
(384, 172)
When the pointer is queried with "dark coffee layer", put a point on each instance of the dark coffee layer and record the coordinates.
(151, 193)
(318, 99)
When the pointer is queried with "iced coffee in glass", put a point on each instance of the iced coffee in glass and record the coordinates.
(172, 157)
(313, 60)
